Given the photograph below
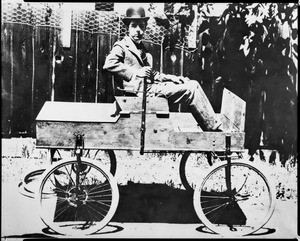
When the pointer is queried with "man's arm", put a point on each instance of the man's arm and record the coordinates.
(114, 63)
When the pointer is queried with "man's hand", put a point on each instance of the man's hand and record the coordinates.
(144, 72)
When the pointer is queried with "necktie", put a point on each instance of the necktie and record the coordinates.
(142, 49)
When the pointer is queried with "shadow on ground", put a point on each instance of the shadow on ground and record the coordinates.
(155, 203)
(150, 203)
(147, 203)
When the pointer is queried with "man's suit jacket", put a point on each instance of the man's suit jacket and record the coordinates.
(123, 62)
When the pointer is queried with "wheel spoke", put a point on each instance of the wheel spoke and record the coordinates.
(99, 186)
(218, 214)
(240, 212)
(83, 178)
(219, 206)
(106, 190)
(61, 209)
(69, 174)
(95, 210)
(102, 195)
(77, 210)
(215, 197)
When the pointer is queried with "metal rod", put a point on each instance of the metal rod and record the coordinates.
(161, 56)
(53, 66)
(76, 62)
(32, 78)
(228, 158)
(11, 55)
(79, 146)
(97, 69)
(143, 124)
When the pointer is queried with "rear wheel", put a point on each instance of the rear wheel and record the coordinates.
(77, 206)
(237, 208)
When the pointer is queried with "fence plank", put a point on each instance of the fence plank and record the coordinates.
(64, 71)
(7, 64)
(22, 77)
(85, 67)
(43, 68)
(105, 86)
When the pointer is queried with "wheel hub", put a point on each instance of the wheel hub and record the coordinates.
(75, 199)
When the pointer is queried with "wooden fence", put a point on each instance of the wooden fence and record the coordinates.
(36, 67)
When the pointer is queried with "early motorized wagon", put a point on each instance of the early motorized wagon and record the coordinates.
(79, 196)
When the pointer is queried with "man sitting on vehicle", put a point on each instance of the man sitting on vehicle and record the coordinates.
(129, 60)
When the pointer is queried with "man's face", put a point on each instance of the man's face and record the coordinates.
(136, 30)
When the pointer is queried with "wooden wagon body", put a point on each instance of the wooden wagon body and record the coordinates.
(117, 126)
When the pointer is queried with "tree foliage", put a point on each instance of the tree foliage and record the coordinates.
(252, 50)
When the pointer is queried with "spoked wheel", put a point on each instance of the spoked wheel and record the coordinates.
(77, 205)
(235, 208)
(105, 157)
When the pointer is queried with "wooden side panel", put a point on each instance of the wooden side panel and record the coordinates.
(184, 122)
(234, 109)
(135, 103)
(161, 136)
(125, 135)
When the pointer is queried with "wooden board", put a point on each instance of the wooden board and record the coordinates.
(184, 122)
(161, 135)
(135, 103)
(233, 110)
(78, 112)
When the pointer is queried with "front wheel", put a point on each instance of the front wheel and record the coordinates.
(77, 201)
(235, 208)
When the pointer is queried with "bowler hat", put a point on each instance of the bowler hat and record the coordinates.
(135, 13)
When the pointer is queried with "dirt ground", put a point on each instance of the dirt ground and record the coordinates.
(20, 156)
(151, 176)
